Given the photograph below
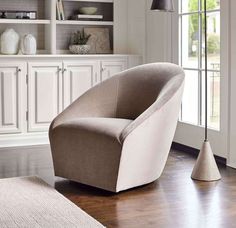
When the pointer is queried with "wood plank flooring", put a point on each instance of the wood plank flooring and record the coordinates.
(173, 201)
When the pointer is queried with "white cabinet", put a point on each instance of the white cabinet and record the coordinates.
(78, 77)
(11, 92)
(109, 68)
(44, 94)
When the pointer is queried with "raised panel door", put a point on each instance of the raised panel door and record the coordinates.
(11, 93)
(110, 68)
(45, 94)
(78, 77)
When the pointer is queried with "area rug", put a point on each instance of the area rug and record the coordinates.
(29, 202)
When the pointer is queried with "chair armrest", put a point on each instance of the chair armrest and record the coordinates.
(173, 88)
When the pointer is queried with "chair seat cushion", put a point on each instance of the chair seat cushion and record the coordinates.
(111, 127)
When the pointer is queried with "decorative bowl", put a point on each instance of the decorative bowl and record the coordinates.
(79, 49)
(88, 10)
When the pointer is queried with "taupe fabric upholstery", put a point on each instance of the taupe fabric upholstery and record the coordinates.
(118, 134)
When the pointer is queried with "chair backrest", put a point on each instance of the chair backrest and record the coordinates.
(140, 87)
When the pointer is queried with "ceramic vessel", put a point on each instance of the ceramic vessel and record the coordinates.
(28, 45)
(88, 10)
(79, 49)
(10, 42)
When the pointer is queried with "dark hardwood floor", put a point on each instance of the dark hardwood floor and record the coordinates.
(173, 201)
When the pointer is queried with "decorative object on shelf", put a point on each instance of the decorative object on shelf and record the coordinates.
(99, 41)
(87, 17)
(31, 15)
(10, 42)
(60, 10)
(3, 15)
(79, 49)
(28, 45)
(79, 43)
(88, 10)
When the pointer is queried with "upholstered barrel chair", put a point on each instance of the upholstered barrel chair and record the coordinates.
(118, 134)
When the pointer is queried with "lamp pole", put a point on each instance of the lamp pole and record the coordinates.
(206, 68)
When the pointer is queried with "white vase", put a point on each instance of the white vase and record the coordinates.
(28, 45)
(10, 42)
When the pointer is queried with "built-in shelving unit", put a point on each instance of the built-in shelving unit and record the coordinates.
(53, 35)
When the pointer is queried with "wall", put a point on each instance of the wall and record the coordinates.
(232, 83)
(130, 27)
(146, 31)
(136, 27)
(120, 26)
(155, 35)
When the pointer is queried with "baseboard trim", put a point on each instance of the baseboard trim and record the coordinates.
(25, 139)
(195, 152)
(10, 148)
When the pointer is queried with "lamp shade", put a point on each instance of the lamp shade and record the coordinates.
(163, 5)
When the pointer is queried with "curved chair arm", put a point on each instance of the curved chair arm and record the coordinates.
(171, 88)
(147, 145)
(96, 102)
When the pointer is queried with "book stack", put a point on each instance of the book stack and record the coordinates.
(88, 17)
(60, 10)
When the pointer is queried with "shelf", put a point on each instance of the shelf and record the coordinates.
(102, 1)
(23, 21)
(71, 22)
(65, 55)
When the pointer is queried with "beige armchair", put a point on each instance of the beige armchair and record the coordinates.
(118, 134)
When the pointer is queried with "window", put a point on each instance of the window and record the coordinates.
(192, 59)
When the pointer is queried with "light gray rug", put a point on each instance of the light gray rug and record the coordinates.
(29, 202)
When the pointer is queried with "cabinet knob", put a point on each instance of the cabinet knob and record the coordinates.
(19, 70)
(59, 70)
(64, 70)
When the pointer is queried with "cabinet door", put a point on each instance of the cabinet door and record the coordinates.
(109, 68)
(45, 94)
(11, 97)
(78, 77)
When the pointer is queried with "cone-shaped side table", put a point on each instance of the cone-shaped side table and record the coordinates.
(206, 168)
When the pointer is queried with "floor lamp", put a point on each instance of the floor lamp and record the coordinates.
(205, 168)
